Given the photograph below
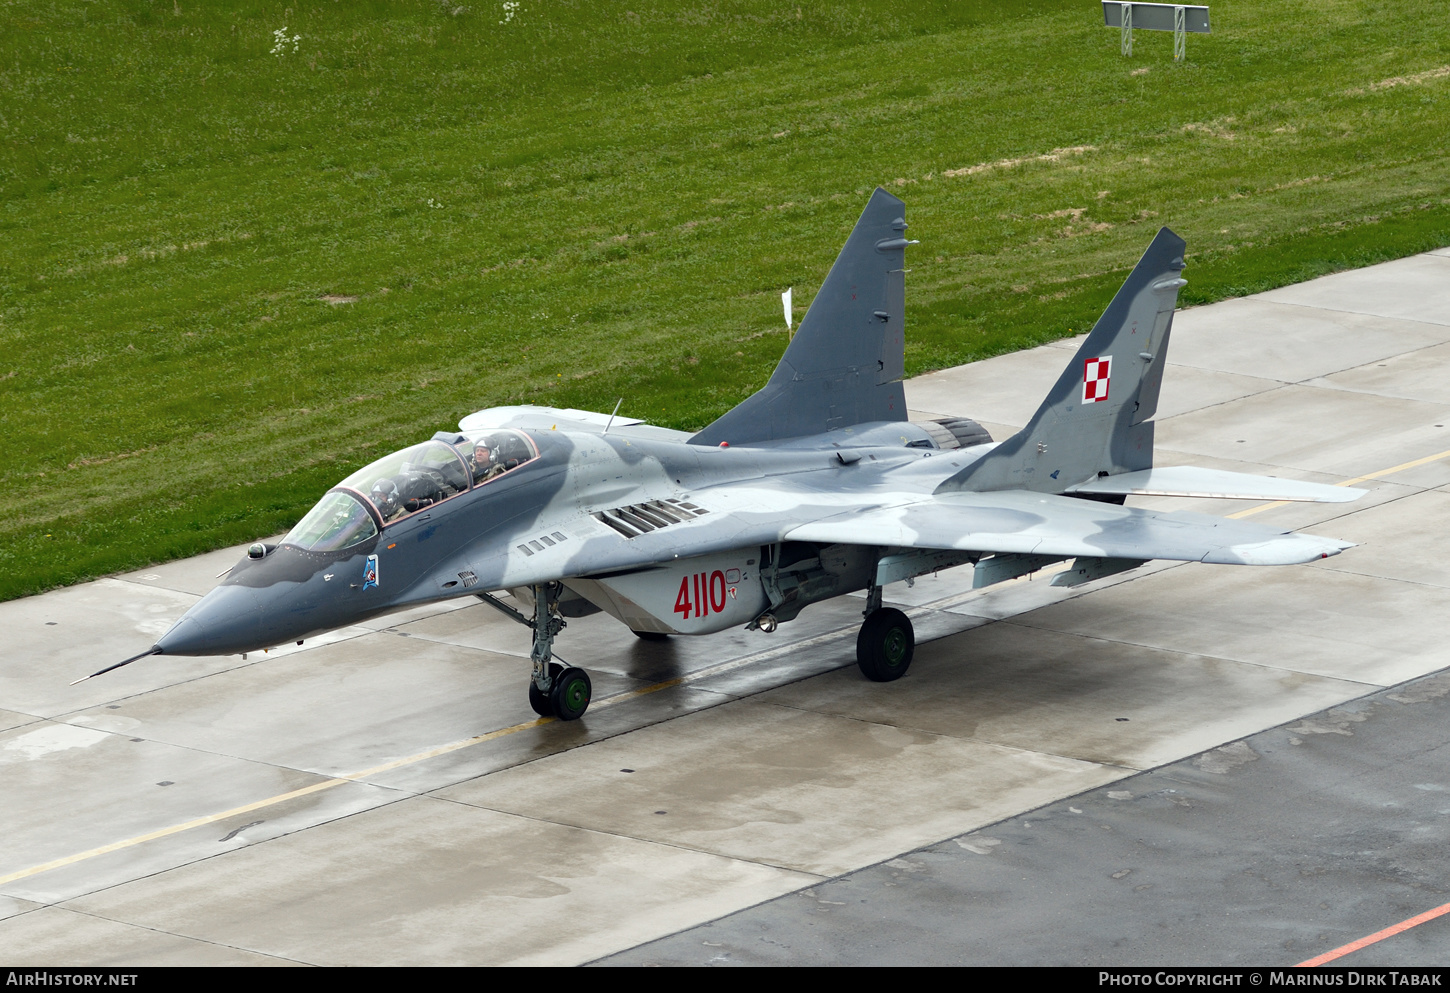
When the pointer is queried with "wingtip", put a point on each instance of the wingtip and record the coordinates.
(1288, 549)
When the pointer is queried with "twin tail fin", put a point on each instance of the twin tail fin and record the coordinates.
(845, 363)
(1095, 421)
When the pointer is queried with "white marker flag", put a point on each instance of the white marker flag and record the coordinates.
(785, 299)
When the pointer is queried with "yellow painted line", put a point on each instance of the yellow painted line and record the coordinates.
(174, 829)
(412, 759)
(1255, 510)
(328, 784)
(1399, 468)
(1350, 482)
(362, 774)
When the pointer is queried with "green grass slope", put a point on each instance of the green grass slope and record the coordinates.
(233, 269)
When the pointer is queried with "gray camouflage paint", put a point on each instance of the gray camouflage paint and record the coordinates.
(845, 362)
(821, 469)
(1069, 440)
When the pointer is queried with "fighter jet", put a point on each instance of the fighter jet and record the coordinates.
(816, 486)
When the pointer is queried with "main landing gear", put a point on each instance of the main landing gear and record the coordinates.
(886, 642)
(554, 690)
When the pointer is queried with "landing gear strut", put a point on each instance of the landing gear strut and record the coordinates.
(886, 642)
(554, 690)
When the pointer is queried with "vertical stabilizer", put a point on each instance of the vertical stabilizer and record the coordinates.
(845, 363)
(1095, 421)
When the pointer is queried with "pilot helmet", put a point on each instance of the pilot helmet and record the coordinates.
(385, 495)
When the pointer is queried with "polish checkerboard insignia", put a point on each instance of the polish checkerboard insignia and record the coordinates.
(1095, 376)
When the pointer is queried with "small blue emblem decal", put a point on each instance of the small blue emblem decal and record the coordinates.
(1055, 472)
(370, 572)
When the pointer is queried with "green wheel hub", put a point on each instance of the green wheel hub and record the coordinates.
(575, 694)
(571, 694)
(885, 645)
(894, 647)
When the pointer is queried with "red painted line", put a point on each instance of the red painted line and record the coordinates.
(1388, 932)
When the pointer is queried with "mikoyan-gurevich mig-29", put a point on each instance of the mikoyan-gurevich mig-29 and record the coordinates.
(816, 486)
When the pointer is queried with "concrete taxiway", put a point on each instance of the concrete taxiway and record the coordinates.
(384, 795)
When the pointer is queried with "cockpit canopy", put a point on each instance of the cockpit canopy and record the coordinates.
(496, 452)
(406, 482)
(338, 521)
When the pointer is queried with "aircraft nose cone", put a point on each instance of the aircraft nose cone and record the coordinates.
(224, 622)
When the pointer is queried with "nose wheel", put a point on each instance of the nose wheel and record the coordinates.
(568, 694)
(885, 645)
(571, 693)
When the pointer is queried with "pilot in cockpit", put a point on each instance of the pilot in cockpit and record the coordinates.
(386, 498)
(485, 465)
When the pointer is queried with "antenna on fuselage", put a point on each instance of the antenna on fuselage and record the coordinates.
(611, 416)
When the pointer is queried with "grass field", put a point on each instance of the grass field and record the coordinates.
(561, 202)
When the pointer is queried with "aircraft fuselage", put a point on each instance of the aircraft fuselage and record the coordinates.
(551, 518)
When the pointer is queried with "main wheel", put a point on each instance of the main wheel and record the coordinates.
(885, 645)
(541, 703)
(570, 694)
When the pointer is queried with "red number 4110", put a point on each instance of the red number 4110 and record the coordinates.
(709, 591)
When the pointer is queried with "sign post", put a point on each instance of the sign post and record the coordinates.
(1178, 18)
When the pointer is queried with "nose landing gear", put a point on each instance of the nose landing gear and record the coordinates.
(886, 642)
(554, 690)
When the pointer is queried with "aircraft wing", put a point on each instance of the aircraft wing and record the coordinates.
(1017, 521)
(994, 522)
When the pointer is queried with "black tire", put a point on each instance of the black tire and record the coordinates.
(571, 694)
(651, 635)
(885, 645)
(541, 702)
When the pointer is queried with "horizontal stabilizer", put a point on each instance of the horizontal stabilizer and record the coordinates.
(1216, 484)
(1039, 524)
